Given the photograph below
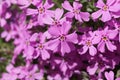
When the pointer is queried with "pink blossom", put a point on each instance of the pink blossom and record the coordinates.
(75, 11)
(106, 10)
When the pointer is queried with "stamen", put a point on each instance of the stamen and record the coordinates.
(62, 37)
(105, 7)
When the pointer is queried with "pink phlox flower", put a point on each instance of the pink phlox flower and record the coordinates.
(75, 11)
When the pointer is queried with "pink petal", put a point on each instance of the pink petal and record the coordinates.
(114, 8)
(65, 28)
(48, 5)
(92, 70)
(53, 44)
(65, 47)
(72, 38)
(85, 48)
(34, 37)
(77, 5)
(110, 2)
(106, 16)
(112, 34)
(92, 50)
(58, 13)
(110, 46)
(66, 5)
(54, 31)
(32, 11)
(101, 46)
(63, 67)
(38, 76)
(69, 14)
(78, 17)
(85, 16)
(109, 76)
(40, 19)
(48, 20)
(45, 55)
(100, 4)
(4, 34)
(96, 14)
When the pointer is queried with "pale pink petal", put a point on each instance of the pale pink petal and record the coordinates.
(4, 34)
(110, 46)
(66, 5)
(48, 20)
(109, 76)
(45, 55)
(40, 19)
(106, 16)
(53, 44)
(32, 11)
(38, 76)
(58, 13)
(112, 34)
(96, 14)
(85, 16)
(72, 38)
(85, 48)
(101, 46)
(63, 67)
(92, 50)
(69, 14)
(100, 4)
(48, 5)
(77, 5)
(78, 17)
(65, 28)
(114, 8)
(54, 31)
(110, 2)
(92, 70)
(34, 37)
(65, 48)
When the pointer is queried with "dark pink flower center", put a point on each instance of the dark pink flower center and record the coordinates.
(104, 38)
(62, 37)
(41, 10)
(105, 7)
(88, 43)
(56, 22)
(76, 11)
(40, 46)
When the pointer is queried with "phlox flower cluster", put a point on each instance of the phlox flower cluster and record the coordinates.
(62, 43)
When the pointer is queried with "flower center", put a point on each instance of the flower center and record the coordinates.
(62, 37)
(40, 46)
(41, 10)
(105, 7)
(56, 22)
(76, 11)
(88, 43)
(104, 38)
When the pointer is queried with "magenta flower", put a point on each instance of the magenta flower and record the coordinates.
(41, 11)
(57, 19)
(61, 39)
(41, 47)
(88, 42)
(75, 11)
(104, 37)
(106, 10)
